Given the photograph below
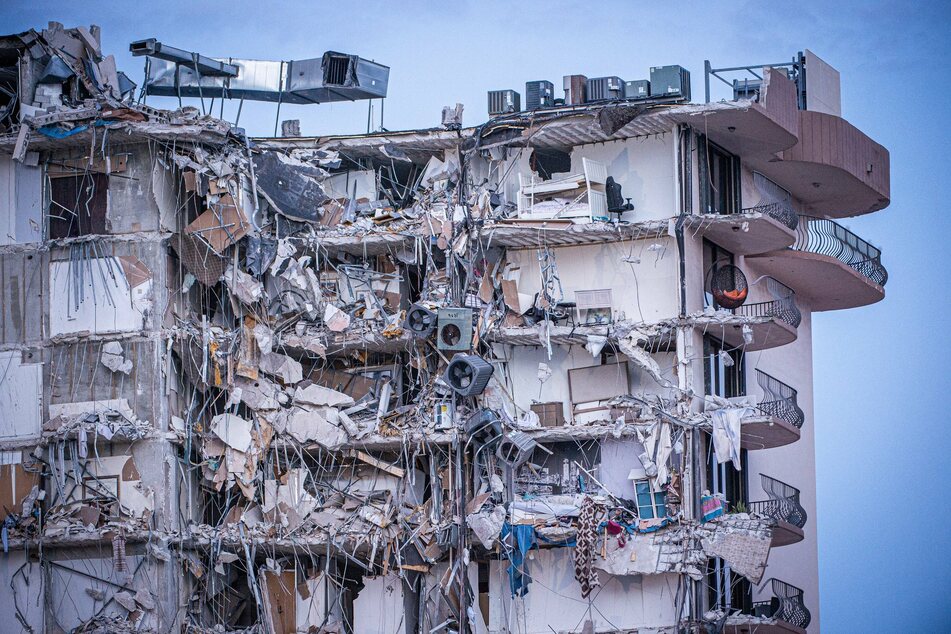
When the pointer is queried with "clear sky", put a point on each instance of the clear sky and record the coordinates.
(881, 380)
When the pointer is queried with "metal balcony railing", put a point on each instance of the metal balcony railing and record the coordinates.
(779, 400)
(786, 604)
(825, 237)
(782, 307)
(783, 503)
(778, 211)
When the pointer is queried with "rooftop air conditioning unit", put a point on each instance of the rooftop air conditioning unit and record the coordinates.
(637, 89)
(670, 81)
(539, 94)
(605, 89)
(504, 102)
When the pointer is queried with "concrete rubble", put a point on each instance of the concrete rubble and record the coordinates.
(269, 431)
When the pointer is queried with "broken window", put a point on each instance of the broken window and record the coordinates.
(78, 204)
(650, 504)
(720, 179)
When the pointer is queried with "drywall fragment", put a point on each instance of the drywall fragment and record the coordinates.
(259, 394)
(282, 366)
(126, 600)
(243, 286)
(308, 425)
(336, 319)
(112, 358)
(314, 394)
(233, 430)
(143, 598)
(487, 525)
(630, 346)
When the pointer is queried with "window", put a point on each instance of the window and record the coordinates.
(650, 505)
(720, 179)
(724, 373)
(78, 205)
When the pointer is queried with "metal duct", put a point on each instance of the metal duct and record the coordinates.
(332, 77)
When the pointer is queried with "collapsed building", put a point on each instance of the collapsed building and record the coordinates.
(550, 373)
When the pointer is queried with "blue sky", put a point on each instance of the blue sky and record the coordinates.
(880, 376)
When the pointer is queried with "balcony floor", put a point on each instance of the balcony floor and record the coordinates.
(768, 332)
(785, 534)
(824, 281)
(762, 234)
(765, 432)
(756, 627)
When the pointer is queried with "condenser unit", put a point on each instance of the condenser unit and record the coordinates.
(670, 81)
(504, 102)
(454, 329)
(637, 89)
(539, 94)
(605, 89)
(468, 374)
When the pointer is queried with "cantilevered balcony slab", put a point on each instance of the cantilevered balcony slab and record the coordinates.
(755, 230)
(835, 170)
(828, 265)
(743, 624)
(762, 431)
(768, 331)
(756, 127)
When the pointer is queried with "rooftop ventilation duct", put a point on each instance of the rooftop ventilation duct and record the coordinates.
(172, 72)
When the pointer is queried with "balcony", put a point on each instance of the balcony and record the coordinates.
(829, 265)
(834, 169)
(758, 229)
(771, 323)
(783, 506)
(778, 419)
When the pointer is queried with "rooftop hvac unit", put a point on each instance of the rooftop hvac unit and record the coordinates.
(594, 306)
(420, 321)
(575, 89)
(504, 102)
(637, 89)
(605, 89)
(746, 89)
(539, 94)
(670, 81)
(454, 329)
(468, 374)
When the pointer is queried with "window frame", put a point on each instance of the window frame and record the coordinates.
(658, 506)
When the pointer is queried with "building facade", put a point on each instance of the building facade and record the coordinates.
(551, 373)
